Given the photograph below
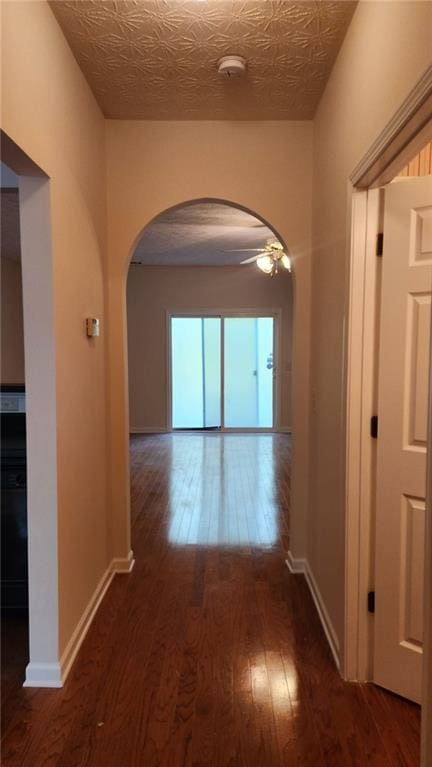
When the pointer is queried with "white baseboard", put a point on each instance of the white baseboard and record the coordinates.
(301, 566)
(84, 623)
(295, 565)
(148, 430)
(43, 675)
(123, 564)
(55, 674)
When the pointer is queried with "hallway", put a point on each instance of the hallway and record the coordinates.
(210, 652)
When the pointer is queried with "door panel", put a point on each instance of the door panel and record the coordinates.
(240, 372)
(248, 372)
(413, 521)
(195, 372)
(186, 365)
(211, 341)
(401, 456)
(266, 370)
(419, 309)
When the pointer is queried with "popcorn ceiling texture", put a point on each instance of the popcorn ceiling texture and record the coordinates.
(157, 59)
(204, 233)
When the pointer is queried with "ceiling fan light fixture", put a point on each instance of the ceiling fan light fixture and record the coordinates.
(286, 261)
(265, 263)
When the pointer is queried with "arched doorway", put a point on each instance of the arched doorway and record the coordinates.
(193, 264)
(133, 206)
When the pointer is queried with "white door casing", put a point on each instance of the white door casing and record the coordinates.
(402, 437)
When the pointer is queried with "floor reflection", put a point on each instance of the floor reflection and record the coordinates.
(274, 681)
(229, 496)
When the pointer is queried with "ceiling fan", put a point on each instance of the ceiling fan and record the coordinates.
(268, 258)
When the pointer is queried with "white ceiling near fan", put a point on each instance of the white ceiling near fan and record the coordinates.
(202, 234)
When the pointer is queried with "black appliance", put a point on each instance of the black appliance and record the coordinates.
(14, 570)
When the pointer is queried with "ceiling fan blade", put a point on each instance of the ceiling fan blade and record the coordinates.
(245, 250)
(249, 260)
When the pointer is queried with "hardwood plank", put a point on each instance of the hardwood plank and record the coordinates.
(210, 653)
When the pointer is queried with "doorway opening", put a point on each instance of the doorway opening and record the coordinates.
(388, 346)
(30, 567)
(222, 371)
(209, 333)
(14, 560)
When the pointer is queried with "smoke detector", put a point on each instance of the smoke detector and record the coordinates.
(232, 66)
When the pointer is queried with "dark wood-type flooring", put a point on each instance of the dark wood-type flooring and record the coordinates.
(210, 653)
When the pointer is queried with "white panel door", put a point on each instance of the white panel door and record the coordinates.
(402, 412)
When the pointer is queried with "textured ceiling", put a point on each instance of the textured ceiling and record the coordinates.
(10, 243)
(157, 59)
(201, 234)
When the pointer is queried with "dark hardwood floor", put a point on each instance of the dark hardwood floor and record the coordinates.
(209, 653)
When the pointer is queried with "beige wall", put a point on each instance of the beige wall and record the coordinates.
(263, 166)
(12, 332)
(152, 291)
(377, 66)
(49, 111)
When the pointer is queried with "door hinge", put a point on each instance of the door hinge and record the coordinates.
(379, 243)
(371, 601)
(374, 427)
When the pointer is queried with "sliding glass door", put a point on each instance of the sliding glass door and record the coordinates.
(248, 372)
(222, 372)
(196, 372)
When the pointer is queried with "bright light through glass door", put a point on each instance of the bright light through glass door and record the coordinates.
(196, 372)
(248, 372)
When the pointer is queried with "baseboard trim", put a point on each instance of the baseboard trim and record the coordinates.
(324, 616)
(148, 430)
(295, 565)
(284, 430)
(43, 675)
(55, 674)
(300, 566)
(123, 564)
(78, 636)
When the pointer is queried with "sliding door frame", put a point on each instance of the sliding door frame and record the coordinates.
(222, 314)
